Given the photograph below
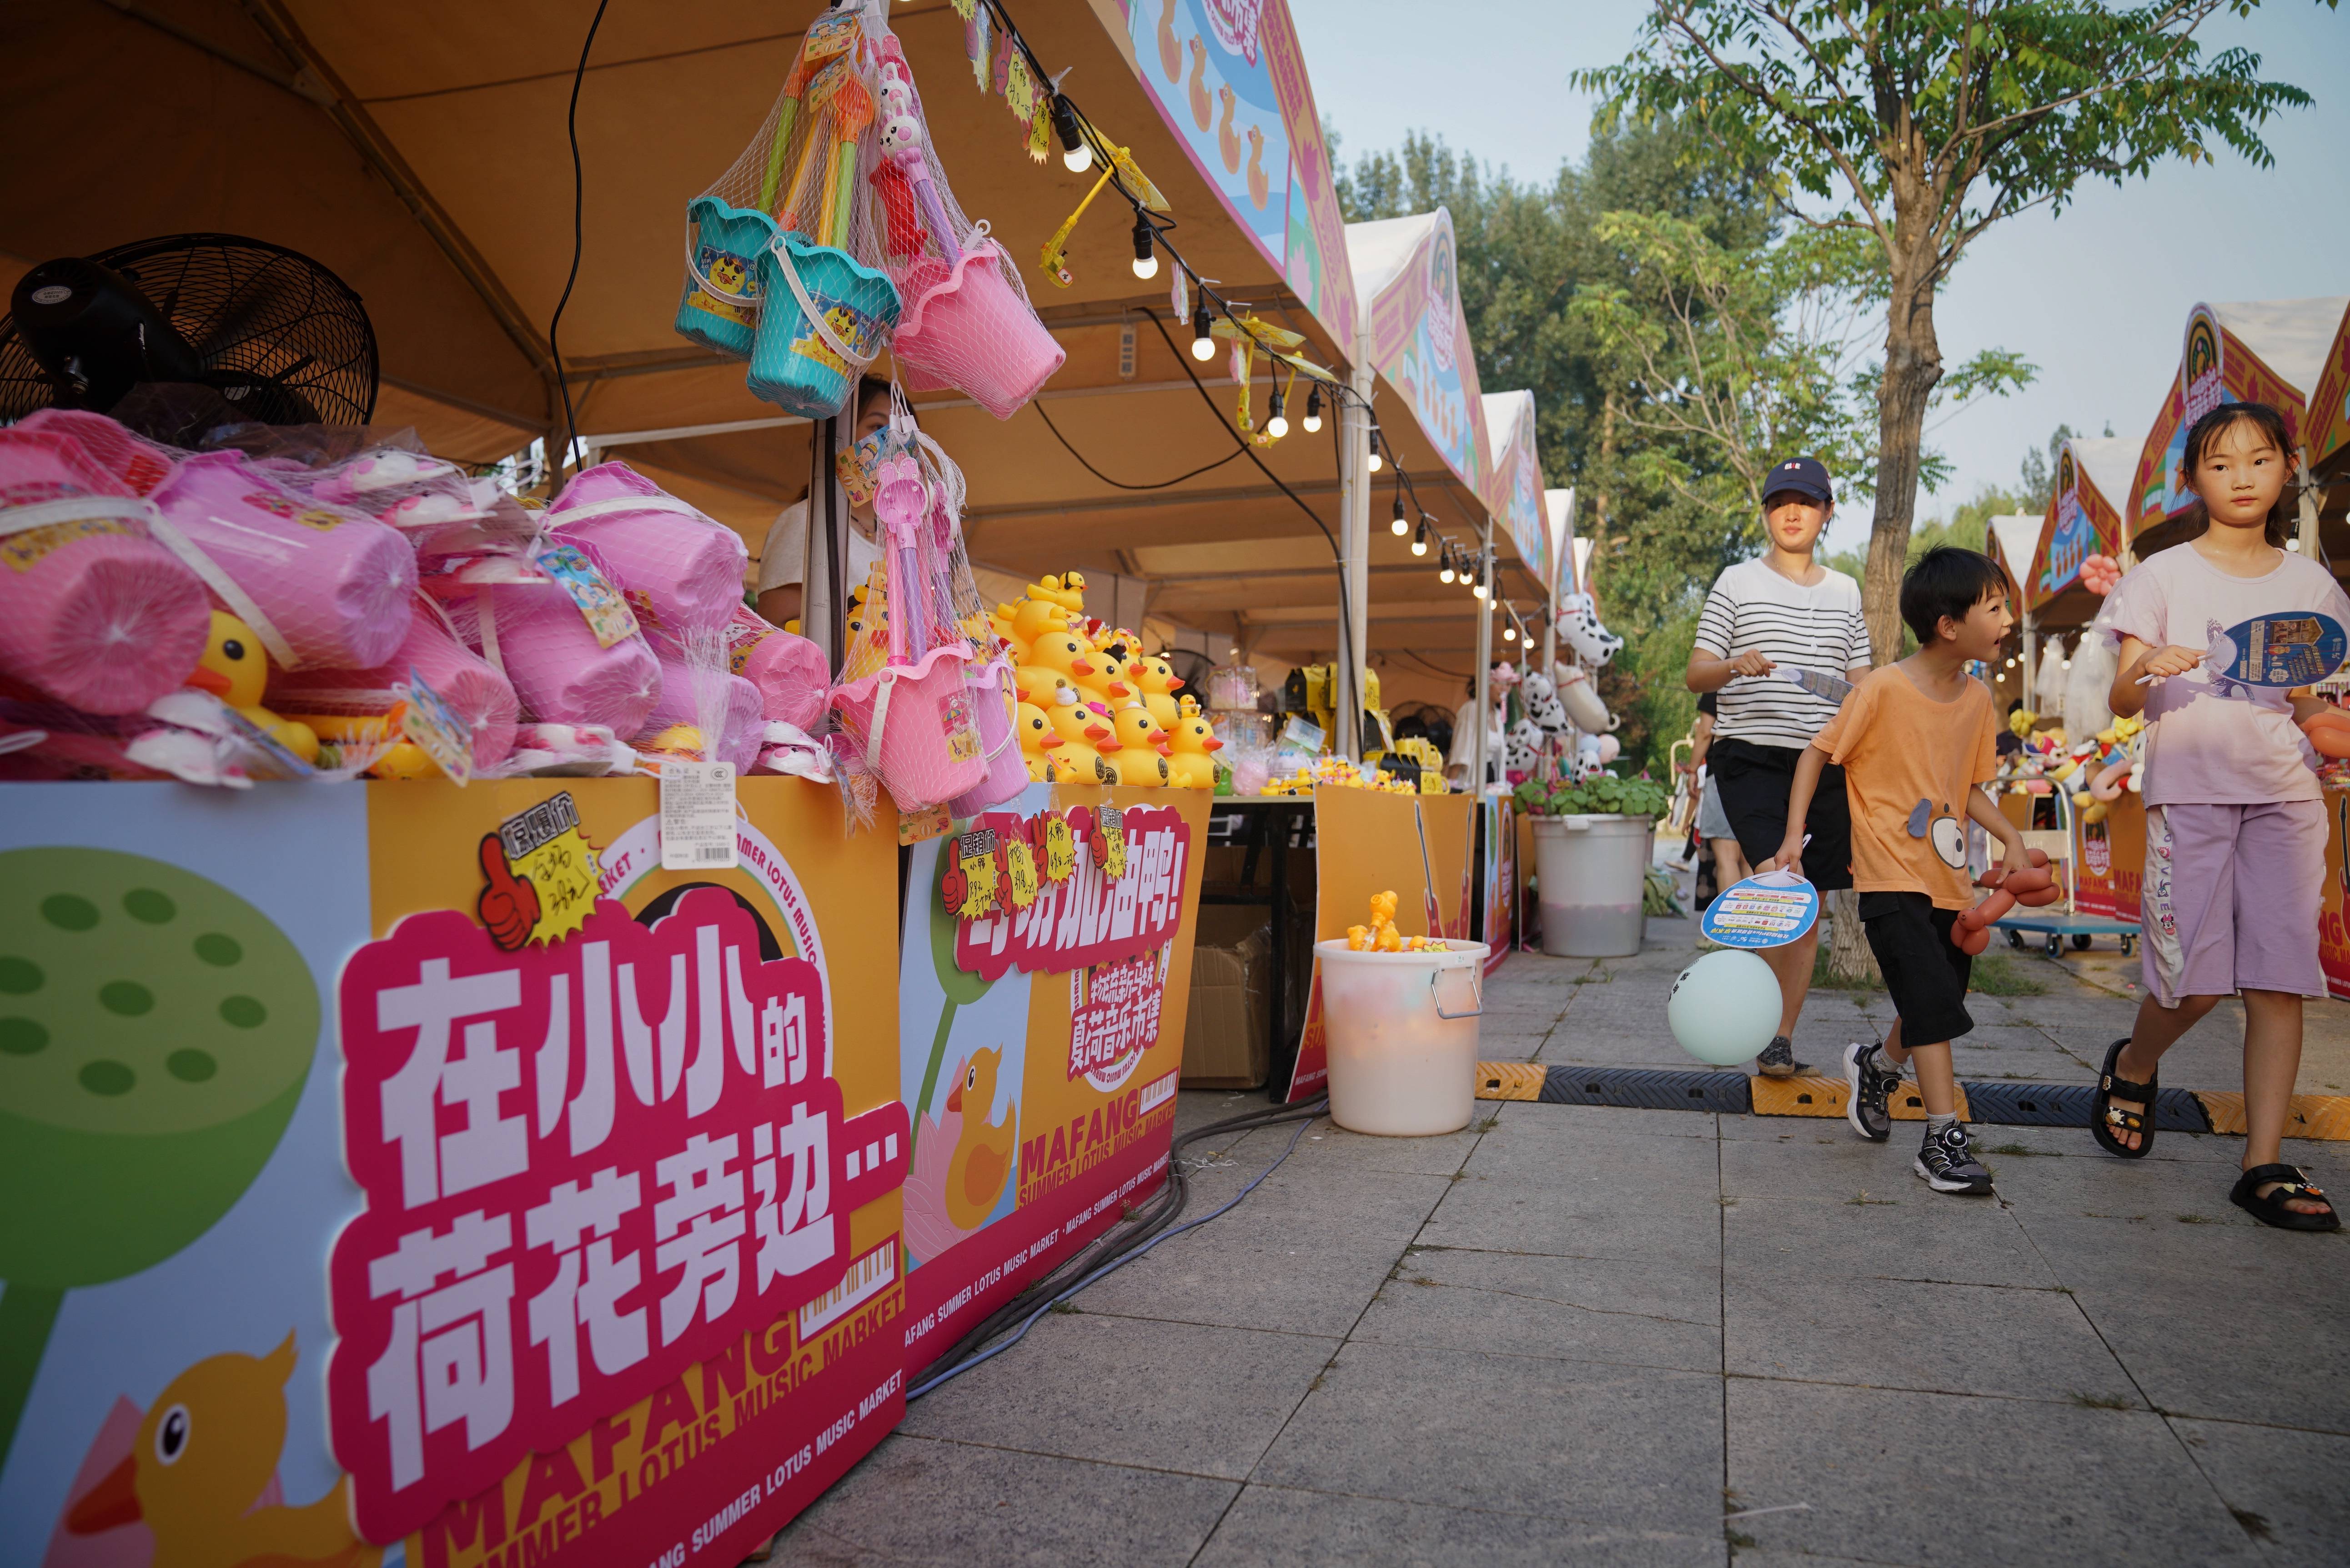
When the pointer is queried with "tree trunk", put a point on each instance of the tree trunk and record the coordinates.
(1602, 496)
(1913, 364)
(1850, 958)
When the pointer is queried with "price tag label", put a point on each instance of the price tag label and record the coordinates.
(1019, 872)
(607, 614)
(697, 816)
(427, 719)
(1765, 911)
(1109, 842)
(1060, 846)
(969, 890)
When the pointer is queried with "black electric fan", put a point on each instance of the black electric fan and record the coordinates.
(277, 337)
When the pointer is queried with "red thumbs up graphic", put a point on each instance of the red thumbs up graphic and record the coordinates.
(509, 904)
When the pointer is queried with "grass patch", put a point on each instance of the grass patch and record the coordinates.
(1068, 1309)
(2015, 1149)
(1997, 974)
(2195, 1220)
(1863, 1200)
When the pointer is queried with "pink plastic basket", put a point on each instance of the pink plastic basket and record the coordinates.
(991, 701)
(967, 327)
(914, 723)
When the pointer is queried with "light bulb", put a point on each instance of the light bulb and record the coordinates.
(1479, 589)
(1396, 524)
(1376, 461)
(1445, 574)
(1203, 341)
(1145, 249)
(1276, 424)
(1419, 538)
(1076, 153)
(1313, 408)
(1509, 634)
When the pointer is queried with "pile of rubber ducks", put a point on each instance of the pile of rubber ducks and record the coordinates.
(1094, 707)
(1381, 936)
(1338, 772)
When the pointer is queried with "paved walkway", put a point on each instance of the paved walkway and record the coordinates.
(1582, 1334)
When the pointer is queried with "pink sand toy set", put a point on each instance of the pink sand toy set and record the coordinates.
(835, 234)
(314, 605)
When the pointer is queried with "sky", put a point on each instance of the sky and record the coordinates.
(2096, 298)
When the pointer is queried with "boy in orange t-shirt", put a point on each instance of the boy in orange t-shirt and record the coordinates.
(1917, 740)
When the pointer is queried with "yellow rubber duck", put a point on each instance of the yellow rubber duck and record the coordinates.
(402, 759)
(1056, 659)
(1067, 590)
(202, 1460)
(982, 1162)
(1157, 680)
(1135, 728)
(235, 670)
(1189, 743)
(1081, 731)
(1039, 741)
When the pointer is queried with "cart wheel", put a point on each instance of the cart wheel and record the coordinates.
(2081, 943)
(2129, 943)
(2055, 944)
(2015, 939)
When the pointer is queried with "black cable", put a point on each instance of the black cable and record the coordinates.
(1337, 556)
(1110, 1251)
(579, 204)
(1435, 669)
(1116, 484)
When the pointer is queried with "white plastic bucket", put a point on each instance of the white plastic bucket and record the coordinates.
(1401, 1034)
(1590, 872)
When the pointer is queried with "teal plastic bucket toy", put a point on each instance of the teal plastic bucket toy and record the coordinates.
(721, 307)
(796, 366)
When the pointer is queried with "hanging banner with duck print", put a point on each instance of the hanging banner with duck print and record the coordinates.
(1039, 1048)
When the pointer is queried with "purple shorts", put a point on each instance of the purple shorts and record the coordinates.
(2231, 898)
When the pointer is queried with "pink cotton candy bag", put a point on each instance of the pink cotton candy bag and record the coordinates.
(94, 611)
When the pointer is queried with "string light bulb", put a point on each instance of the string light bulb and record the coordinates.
(1276, 424)
(1378, 462)
(1077, 152)
(1396, 524)
(1419, 538)
(1484, 566)
(1203, 334)
(1146, 248)
(1314, 409)
(1444, 574)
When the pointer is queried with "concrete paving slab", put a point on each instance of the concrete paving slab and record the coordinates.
(1569, 1121)
(1593, 1156)
(1632, 1447)
(918, 1500)
(2284, 1486)
(1902, 1229)
(1902, 1333)
(1582, 1309)
(1938, 1479)
(1281, 1527)
(1328, 1146)
(1594, 1218)
(1202, 1400)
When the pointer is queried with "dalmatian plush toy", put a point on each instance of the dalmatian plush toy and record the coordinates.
(1578, 622)
(1523, 749)
(1542, 706)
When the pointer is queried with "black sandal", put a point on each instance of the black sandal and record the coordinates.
(2271, 1210)
(2107, 1119)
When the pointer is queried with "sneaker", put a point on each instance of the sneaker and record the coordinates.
(1869, 1089)
(1947, 1165)
(1778, 1059)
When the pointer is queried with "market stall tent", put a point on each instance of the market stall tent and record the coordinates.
(2266, 351)
(2328, 435)
(2083, 519)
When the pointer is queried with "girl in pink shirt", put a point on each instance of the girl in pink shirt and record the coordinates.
(2235, 825)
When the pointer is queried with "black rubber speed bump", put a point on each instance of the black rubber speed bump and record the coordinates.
(1636, 1088)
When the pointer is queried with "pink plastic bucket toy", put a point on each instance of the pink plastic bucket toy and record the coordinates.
(740, 731)
(479, 694)
(680, 571)
(94, 612)
(314, 583)
(789, 670)
(139, 463)
(534, 633)
(991, 700)
(968, 329)
(914, 724)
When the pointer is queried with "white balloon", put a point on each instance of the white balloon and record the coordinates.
(1724, 1008)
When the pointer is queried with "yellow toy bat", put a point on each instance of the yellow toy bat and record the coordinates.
(1120, 162)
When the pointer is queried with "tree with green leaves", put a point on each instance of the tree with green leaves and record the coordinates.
(1920, 126)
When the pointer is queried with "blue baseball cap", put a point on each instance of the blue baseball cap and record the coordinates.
(1804, 476)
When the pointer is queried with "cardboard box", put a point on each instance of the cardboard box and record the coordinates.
(1224, 1041)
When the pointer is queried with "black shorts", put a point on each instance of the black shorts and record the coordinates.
(1925, 972)
(1753, 782)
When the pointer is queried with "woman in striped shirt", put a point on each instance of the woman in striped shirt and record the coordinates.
(1778, 615)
